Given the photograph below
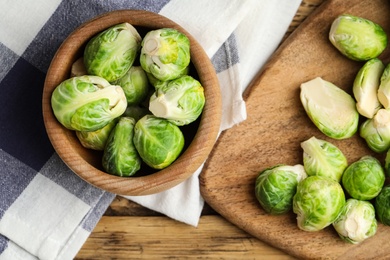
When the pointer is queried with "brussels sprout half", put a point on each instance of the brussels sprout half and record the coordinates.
(120, 156)
(158, 141)
(87, 103)
(330, 108)
(364, 179)
(317, 202)
(111, 53)
(365, 88)
(276, 186)
(322, 158)
(382, 206)
(376, 131)
(384, 87)
(165, 53)
(181, 101)
(356, 221)
(357, 38)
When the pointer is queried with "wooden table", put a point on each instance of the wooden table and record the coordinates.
(130, 231)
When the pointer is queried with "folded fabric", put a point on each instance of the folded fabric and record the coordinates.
(46, 211)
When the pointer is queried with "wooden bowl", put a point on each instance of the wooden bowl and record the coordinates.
(200, 136)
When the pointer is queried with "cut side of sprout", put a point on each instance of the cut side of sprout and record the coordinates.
(330, 108)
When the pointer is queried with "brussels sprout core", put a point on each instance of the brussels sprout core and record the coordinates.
(330, 108)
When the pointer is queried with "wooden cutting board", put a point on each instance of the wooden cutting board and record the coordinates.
(275, 127)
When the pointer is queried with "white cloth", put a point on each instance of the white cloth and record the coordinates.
(46, 211)
(257, 27)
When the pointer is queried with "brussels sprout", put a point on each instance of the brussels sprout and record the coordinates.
(136, 112)
(276, 186)
(382, 206)
(376, 131)
(181, 101)
(384, 87)
(158, 141)
(364, 179)
(87, 103)
(318, 202)
(356, 221)
(111, 53)
(135, 84)
(120, 156)
(322, 158)
(357, 38)
(165, 53)
(96, 140)
(365, 88)
(330, 108)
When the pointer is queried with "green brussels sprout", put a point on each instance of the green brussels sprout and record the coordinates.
(120, 156)
(111, 53)
(382, 206)
(384, 87)
(135, 84)
(165, 53)
(158, 141)
(365, 88)
(87, 103)
(322, 158)
(96, 140)
(323, 102)
(357, 38)
(376, 131)
(136, 112)
(276, 186)
(181, 101)
(356, 221)
(364, 179)
(317, 202)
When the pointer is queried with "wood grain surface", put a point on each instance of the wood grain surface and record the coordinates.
(274, 129)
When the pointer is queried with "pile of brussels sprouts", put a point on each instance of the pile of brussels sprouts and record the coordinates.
(326, 190)
(130, 96)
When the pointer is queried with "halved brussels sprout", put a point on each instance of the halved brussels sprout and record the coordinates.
(276, 186)
(330, 108)
(87, 103)
(376, 131)
(120, 156)
(384, 87)
(96, 140)
(382, 206)
(111, 53)
(165, 53)
(317, 202)
(158, 141)
(357, 38)
(365, 88)
(356, 221)
(322, 158)
(181, 101)
(135, 84)
(364, 179)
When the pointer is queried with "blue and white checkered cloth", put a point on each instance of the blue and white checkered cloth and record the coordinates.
(46, 211)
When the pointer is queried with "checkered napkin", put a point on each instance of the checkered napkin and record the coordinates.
(46, 211)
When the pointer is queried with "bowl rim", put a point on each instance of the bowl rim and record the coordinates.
(188, 162)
